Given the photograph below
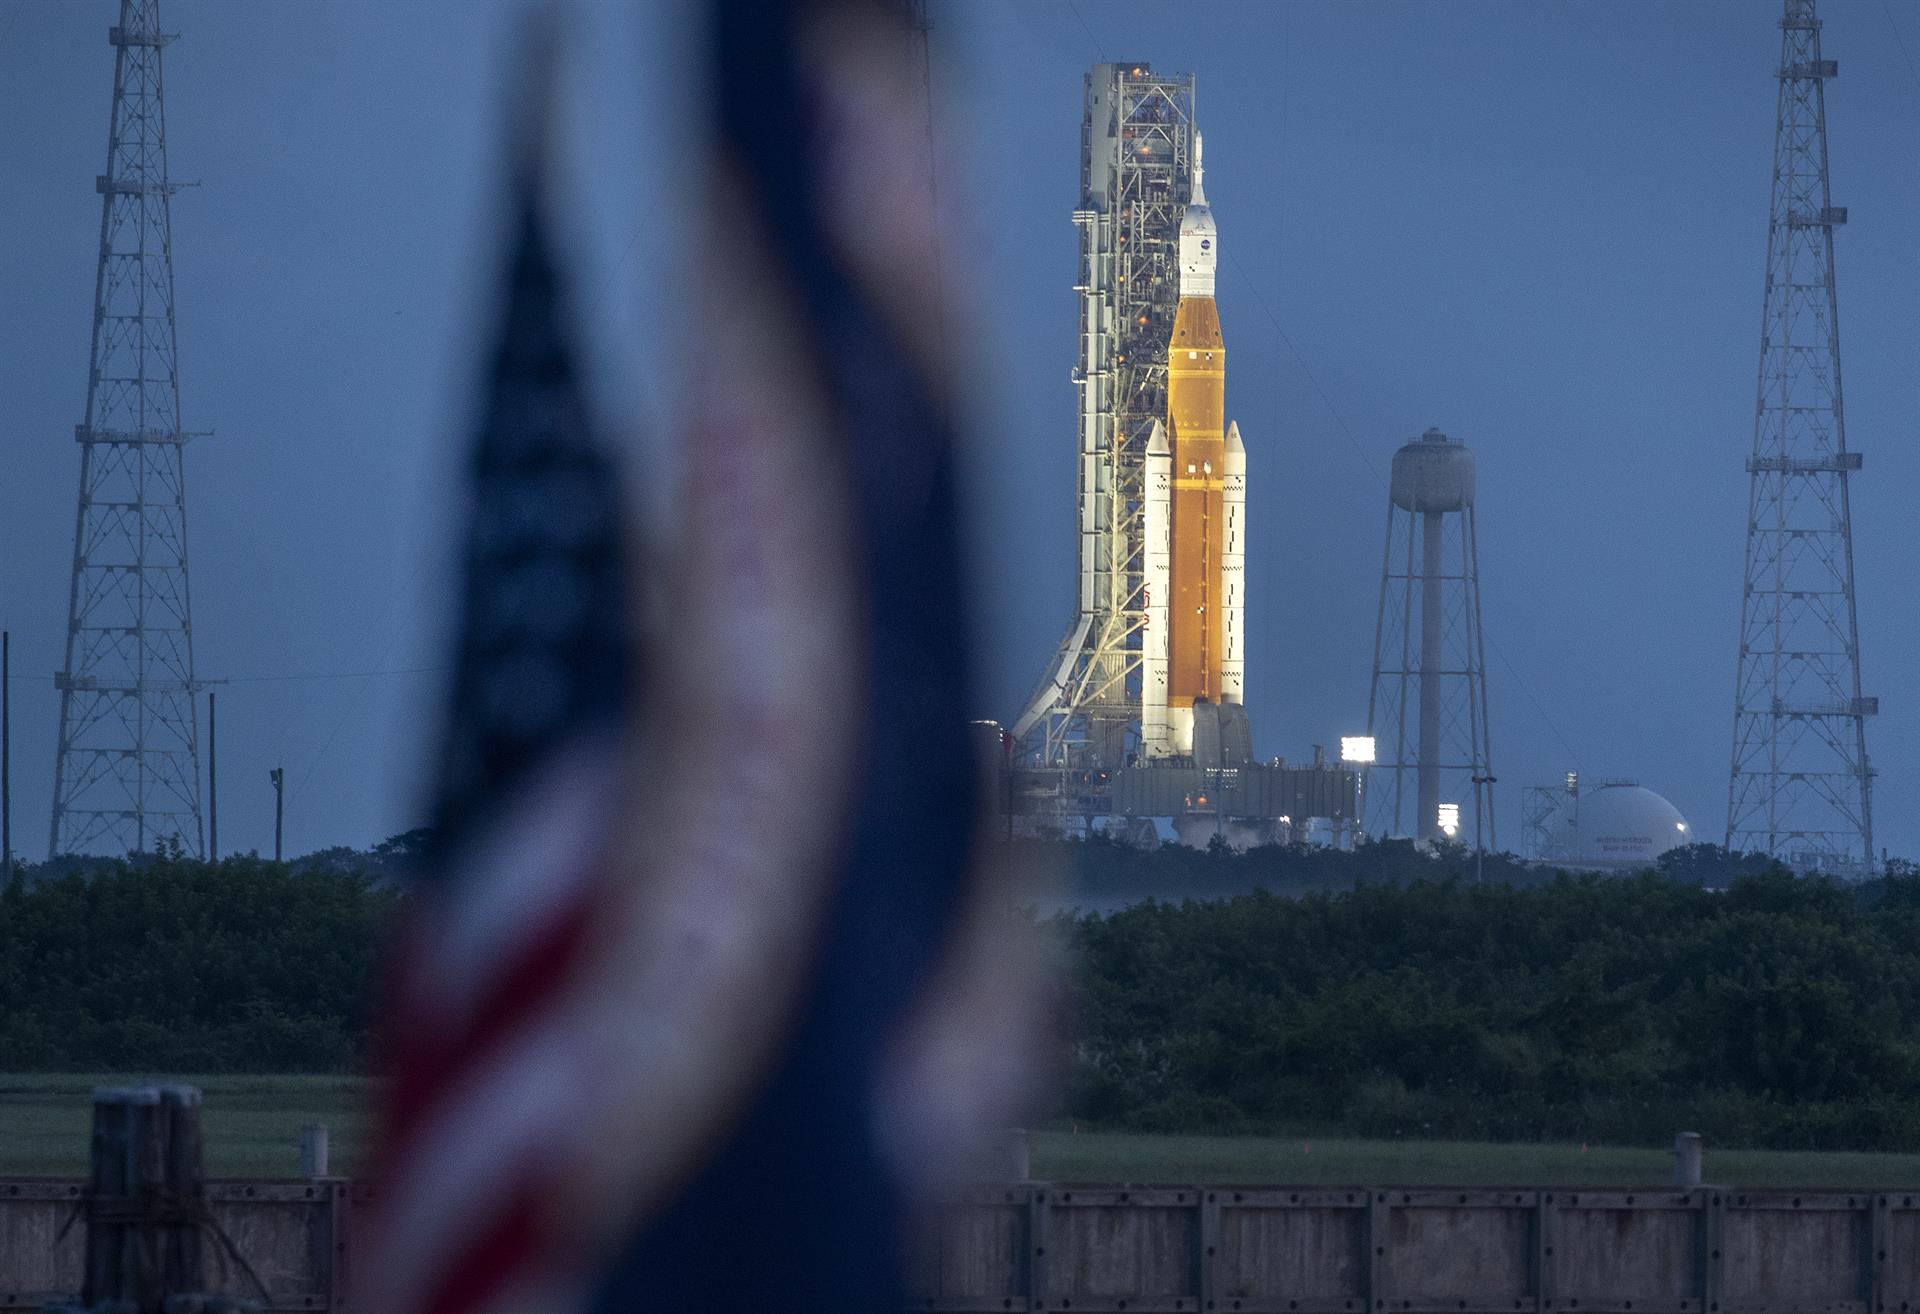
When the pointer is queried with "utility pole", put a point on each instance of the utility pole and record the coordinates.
(1479, 848)
(213, 784)
(1801, 787)
(279, 778)
(6, 753)
(127, 771)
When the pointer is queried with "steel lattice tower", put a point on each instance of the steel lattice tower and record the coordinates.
(1801, 785)
(1135, 176)
(127, 775)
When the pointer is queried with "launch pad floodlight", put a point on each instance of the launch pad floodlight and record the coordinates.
(1358, 749)
(1450, 819)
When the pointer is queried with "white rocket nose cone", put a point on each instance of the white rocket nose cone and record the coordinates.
(1233, 439)
(1199, 241)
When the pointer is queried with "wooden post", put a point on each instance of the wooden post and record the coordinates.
(145, 1186)
(1015, 1155)
(1686, 1159)
(313, 1150)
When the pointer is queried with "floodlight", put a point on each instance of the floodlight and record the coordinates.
(1358, 749)
(1449, 819)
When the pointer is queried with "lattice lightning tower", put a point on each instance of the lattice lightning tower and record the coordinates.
(1135, 176)
(127, 776)
(1801, 786)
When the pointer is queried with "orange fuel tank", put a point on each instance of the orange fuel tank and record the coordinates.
(1196, 426)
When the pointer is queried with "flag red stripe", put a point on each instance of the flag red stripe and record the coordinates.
(493, 1254)
(434, 1057)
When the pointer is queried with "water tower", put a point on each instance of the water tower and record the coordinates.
(1427, 710)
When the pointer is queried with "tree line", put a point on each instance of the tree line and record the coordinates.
(1766, 1011)
(1378, 993)
(169, 964)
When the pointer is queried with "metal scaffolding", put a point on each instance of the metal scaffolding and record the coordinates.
(1801, 786)
(127, 775)
(1549, 812)
(1135, 178)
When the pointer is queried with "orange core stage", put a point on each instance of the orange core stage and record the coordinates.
(1196, 416)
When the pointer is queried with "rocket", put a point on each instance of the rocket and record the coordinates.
(1155, 728)
(1194, 644)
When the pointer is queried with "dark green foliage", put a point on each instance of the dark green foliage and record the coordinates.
(1380, 994)
(1772, 1012)
(168, 964)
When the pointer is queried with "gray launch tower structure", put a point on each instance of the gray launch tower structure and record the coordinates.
(1427, 708)
(1136, 173)
(127, 774)
(1801, 787)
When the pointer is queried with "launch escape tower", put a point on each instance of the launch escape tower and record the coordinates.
(1427, 708)
(127, 774)
(1801, 786)
(1135, 176)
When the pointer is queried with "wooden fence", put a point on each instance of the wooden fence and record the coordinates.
(293, 1234)
(1359, 1250)
(1426, 1251)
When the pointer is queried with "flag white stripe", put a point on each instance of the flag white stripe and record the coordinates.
(514, 879)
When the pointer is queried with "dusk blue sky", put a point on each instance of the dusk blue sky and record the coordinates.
(1537, 226)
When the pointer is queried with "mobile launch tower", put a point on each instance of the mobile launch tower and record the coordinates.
(1136, 174)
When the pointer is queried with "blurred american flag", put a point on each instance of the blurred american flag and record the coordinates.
(661, 1015)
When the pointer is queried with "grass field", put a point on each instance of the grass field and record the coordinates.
(1254, 1161)
(253, 1130)
(252, 1124)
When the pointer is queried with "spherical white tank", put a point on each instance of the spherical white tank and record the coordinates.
(1617, 825)
(1433, 473)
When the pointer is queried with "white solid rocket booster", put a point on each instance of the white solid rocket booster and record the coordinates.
(1233, 571)
(1154, 732)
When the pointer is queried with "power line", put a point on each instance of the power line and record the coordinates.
(1301, 361)
(1900, 41)
(338, 675)
(1098, 48)
(297, 676)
